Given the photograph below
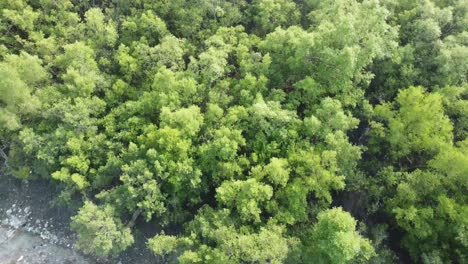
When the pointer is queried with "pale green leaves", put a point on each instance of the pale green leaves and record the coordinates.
(162, 244)
(173, 90)
(245, 196)
(416, 122)
(348, 36)
(359, 25)
(329, 118)
(270, 14)
(335, 240)
(266, 246)
(142, 190)
(219, 155)
(20, 14)
(101, 33)
(276, 172)
(20, 76)
(100, 232)
(81, 73)
(186, 120)
(231, 244)
(148, 27)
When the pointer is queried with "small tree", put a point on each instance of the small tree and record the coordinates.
(99, 231)
(335, 240)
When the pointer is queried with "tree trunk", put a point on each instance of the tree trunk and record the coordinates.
(4, 156)
(135, 215)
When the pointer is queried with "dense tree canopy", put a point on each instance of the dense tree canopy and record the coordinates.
(267, 131)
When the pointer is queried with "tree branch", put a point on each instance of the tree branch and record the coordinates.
(4, 156)
(135, 215)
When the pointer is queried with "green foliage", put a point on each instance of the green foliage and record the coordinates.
(147, 27)
(141, 190)
(100, 232)
(432, 42)
(233, 244)
(100, 33)
(456, 107)
(162, 244)
(80, 71)
(276, 172)
(333, 57)
(417, 125)
(234, 125)
(219, 156)
(335, 240)
(20, 76)
(269, 14)
(310, 175)
(245, 197)
(426, 194)
(431, 206)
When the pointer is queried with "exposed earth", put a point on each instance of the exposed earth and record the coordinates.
(35, 231)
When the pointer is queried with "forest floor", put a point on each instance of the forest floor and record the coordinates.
(33, 230)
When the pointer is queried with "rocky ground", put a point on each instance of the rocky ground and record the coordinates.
(34, 230)
(18, 246)
(31, 229)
